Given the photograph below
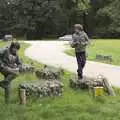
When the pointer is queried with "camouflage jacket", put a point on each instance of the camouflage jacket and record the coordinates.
(7, 59)
(80, 41)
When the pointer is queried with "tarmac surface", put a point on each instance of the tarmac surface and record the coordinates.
(52, 53)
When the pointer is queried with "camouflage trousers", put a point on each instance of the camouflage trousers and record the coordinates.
(9, 75)
(81, 60)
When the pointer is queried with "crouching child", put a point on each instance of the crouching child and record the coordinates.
(10, 66)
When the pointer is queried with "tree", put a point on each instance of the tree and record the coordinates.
(40, 18)
(6, 16)
(106, 18)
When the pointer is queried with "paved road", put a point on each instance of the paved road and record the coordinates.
(52, 53)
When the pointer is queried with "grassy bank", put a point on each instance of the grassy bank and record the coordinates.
(103, 47)
(73, 105)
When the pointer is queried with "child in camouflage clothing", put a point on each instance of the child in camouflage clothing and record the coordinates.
(80, 41)
(9, 66)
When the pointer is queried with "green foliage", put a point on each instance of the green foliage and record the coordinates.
(6, 15)
(39, 18)
(107, 19)
(83, 5)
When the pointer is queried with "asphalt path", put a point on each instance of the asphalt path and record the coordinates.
(52, 53)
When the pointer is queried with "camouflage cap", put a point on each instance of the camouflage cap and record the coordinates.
(15, 45)
(78, 26)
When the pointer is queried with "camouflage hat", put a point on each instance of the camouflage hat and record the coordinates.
(78, 26)
(15, 45)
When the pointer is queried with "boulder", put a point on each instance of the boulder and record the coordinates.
(43, 88)
(86, 82)
(104, 57)
(49, 73)
(27, 68)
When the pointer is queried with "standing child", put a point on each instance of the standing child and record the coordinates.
(80, 41)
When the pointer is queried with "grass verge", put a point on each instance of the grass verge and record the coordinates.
(73, 105)
(103, 47)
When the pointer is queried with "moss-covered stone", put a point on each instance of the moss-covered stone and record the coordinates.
(43, 88)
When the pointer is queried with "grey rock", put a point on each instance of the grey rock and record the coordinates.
(43, 88)
(86, 83)
(49, 73)
(104, 57)
(27, 68)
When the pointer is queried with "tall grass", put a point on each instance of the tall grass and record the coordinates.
(72, 105)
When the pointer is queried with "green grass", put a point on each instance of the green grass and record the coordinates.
(73, 105)
(103, 47)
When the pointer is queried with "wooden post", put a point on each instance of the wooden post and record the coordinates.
(22, 95)
(108, 87)
(7, 94)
